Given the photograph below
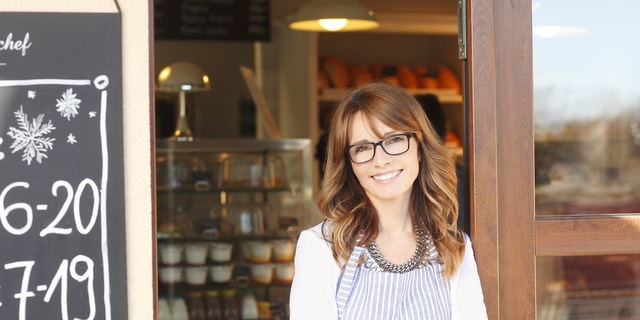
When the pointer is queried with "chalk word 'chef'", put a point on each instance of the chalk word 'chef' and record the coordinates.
(9, 44)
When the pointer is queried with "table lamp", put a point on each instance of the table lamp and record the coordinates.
(182, 76)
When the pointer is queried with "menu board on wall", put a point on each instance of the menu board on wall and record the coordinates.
(62, 231)
(243, 20)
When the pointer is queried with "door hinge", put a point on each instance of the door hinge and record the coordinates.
(462, 29)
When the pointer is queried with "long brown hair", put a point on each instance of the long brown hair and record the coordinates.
(434, 205)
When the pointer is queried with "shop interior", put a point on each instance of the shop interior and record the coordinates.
(231, 202)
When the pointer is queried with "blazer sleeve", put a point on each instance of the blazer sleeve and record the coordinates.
(467, 301)
(313, 291)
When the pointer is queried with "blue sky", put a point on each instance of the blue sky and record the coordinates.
(592, 67)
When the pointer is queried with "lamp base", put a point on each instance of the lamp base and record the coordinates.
(181, 138)
(183, 133)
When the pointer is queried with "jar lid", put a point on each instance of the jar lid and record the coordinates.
(264, 304)
(211, 293)
(229, 292)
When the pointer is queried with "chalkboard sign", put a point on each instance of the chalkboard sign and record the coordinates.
(244, 20)
(62, 231)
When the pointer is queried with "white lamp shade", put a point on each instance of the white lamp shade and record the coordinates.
(182, 76)
(358, 16)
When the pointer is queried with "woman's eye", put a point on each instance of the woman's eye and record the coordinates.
(361, 148)
(395, 139)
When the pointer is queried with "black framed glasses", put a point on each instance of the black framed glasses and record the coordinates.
(392, 145)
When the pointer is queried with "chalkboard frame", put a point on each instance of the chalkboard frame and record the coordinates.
(80, 56)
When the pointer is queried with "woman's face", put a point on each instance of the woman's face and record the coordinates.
(385, 177)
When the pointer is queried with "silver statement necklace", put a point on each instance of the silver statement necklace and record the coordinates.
(419, 259)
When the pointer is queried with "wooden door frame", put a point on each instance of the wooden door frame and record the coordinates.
(507, 236)
(499, 113)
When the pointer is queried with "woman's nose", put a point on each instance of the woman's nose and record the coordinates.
(381, 157)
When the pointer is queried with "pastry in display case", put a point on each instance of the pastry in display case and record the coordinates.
(229, 212)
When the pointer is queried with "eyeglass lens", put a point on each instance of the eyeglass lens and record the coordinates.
(393, 145)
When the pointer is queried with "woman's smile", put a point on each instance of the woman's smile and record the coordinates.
(387, 176)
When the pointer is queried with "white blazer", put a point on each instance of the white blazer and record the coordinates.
(313, 292)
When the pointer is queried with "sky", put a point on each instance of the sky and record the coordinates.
(590, 68)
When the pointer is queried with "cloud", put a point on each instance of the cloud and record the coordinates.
(554, 31)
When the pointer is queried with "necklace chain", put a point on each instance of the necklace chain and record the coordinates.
(419, 259)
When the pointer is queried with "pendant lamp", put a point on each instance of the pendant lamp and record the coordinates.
(333, 15)
(182, 76)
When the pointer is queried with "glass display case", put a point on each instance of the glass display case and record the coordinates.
(229, 212)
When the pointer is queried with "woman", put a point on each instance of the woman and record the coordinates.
(389, 247)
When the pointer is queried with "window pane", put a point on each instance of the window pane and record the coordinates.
(586, 73)
(589, 287)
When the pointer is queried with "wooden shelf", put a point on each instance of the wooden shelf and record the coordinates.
(164, 190)
(444, 95)
(227, 238)
(416, 23)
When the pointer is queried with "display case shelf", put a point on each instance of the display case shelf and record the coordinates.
(231, 238)
(248, 191)
(218, 190)
(444, 95)
(164, 288)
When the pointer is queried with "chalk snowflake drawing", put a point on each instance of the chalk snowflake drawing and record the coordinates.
(92, 114)
(31, 94)
(68, 105)
(30, 137)
(71, 139)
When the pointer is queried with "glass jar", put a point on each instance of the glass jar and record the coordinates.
(264, 310)
(241, 217)
(230, 305)
(212, 303)
(196, 307)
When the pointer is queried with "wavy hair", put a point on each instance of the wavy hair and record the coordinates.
(343, 201)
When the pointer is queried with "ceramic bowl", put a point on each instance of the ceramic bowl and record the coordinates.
(196, 275)
(196, 253)
(261, 251)
(221, 273)
(284, 272)
(170, 275)
(221, 252)
(283, 250)
(261, 273)
(170, 254)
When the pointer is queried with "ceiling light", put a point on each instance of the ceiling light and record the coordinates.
(333, 24)
(333, 15)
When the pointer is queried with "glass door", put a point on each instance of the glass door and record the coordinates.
(586, 84)
(553, 113)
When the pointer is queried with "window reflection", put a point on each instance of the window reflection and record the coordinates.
(586, 107)
(589, 287)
